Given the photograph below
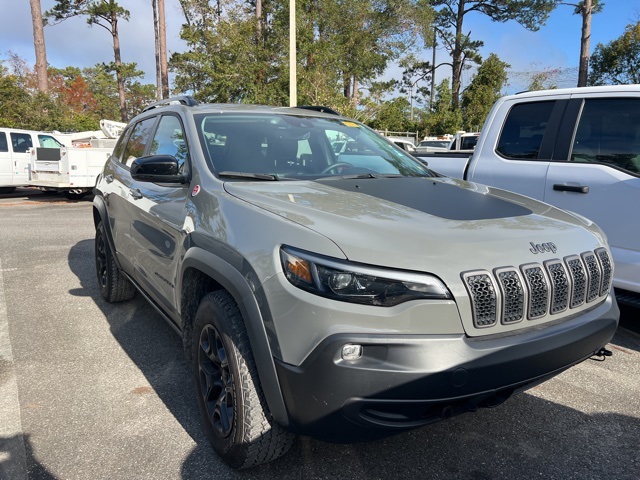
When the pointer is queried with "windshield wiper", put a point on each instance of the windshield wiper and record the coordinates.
(253, 176)
(373, 175)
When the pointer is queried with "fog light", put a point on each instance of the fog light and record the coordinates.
(351, 352)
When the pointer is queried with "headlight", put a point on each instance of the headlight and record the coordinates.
(356, 283)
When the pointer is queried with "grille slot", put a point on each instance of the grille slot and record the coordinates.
(484, 300)
(607, 270)
(559, 286)
(512, 291)
(595, 275)
(538, 287)
(508, 295)
(578, 277)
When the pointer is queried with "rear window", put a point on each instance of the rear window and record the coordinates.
(524, 130)
(609, 133)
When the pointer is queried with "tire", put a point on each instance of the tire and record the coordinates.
(74, 196)
(235, 415)
(114, 286)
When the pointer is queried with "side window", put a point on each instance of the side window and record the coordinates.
(169, 139)
(47, 141)
(21, 142)
(524, 129)
(469, 143)
(119, 148)
(609, 132)
(4, 146)
(138, 140)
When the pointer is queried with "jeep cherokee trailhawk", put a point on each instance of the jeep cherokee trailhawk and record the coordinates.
(339, 295)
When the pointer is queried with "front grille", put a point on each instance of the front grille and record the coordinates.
(532, 291)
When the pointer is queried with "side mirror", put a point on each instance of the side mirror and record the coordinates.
(157, 169)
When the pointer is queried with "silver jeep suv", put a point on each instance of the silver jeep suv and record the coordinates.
(342, 293)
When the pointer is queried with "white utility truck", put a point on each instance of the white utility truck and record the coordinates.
(15, 156)
(72, 170)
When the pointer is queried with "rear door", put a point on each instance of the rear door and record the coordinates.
(520, 157)
(598, 176)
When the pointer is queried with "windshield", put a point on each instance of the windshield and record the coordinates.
(435, 143)
(295, 147)
(47, 141)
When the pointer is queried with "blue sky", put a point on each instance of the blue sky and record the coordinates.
(73, 43)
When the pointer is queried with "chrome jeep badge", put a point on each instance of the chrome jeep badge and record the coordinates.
(543, 247)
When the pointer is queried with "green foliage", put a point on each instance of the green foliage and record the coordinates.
(443, 118)
(341, 45)
(227, 61)
(596, 7)
(76, 100)
(543, 80)
(531, 14)
(394, 116)
(483, 91)
(98, 12)
(617, 62)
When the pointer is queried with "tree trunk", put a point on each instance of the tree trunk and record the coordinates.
(118, 63)
(456, 74)
(38, 42)
(162, 33)
(583, 69)
(156, 35)
(259, 18)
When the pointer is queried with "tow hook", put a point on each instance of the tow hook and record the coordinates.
(602, 354)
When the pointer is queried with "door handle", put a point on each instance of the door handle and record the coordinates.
(135, 193)
(571, 188)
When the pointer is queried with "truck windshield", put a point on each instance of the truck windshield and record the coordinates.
(47, 141)
(294, 147)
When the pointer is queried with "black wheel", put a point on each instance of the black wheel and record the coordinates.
(236, 418)
(114, 286)
(74, 196)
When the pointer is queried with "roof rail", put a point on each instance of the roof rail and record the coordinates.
(182, 99)
(318, 108)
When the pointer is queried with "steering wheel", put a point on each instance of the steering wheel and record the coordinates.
(335, 165)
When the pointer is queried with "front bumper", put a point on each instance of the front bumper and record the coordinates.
(405, 381)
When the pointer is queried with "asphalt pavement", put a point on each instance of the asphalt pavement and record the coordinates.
(91, 390)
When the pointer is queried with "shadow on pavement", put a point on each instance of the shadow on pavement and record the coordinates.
(14, 453)
(527, 437)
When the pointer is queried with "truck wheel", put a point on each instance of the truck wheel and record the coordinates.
(114, 286)
(236, 418)
(74, 196)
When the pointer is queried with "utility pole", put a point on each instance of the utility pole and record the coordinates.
(293, 90)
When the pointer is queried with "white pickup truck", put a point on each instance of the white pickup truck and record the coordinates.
(578, 149)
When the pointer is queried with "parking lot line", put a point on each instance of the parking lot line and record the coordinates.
(13, 456)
